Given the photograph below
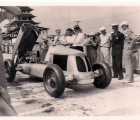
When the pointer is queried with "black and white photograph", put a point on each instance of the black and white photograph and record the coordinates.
(69, 60)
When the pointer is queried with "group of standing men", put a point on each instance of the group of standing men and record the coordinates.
(99, 45)
(122, 45)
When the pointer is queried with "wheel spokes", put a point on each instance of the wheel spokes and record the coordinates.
(51, 81)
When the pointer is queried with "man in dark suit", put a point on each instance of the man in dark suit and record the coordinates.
(117, 43)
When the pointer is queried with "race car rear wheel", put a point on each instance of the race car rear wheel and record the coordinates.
(10, 71)
(54, 80)
(104, 76)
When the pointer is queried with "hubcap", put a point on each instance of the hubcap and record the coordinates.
(51, 81)
(100, 77)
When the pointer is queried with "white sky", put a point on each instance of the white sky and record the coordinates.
(91, 17)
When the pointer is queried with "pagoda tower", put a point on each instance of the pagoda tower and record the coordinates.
(13, 27)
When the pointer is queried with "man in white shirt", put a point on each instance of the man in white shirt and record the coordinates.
(105, 44)
(79, 39)
(59, 38)
(70, 36)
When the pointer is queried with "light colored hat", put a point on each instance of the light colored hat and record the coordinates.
(124, 23)
(115, 25)
(92, 33)
(102, 28)
(57, 30)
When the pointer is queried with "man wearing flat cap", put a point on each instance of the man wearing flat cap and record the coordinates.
(104, 45)
(59, 38)
(117, 43)
(129, 42)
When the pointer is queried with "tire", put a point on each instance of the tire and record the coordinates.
(105, 77)
(54, 80)
(10, 70)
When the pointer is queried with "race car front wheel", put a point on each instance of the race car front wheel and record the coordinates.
(103, 74)
(54, 80)
(10, 71)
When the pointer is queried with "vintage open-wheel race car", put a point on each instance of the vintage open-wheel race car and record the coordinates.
(66, 66)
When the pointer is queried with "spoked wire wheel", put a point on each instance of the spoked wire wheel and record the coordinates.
(54, 80)
(51, 81)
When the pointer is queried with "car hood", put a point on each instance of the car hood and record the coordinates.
(27, 37)
(62, 50)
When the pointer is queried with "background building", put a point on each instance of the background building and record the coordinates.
(12, 28)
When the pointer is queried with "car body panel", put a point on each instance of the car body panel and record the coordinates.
(38, 71)
(33, 69)
(62, 50)
(26, 39)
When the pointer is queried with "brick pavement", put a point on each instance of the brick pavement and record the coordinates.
(119, 99)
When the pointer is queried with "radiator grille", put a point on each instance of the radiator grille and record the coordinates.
(80, 64)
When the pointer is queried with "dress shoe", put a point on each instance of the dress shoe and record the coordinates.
(120, 78)
(126, 81)
(130, 81)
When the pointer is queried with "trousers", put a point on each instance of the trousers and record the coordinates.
(106, 54)
(47, 57)
(128, 64)
(117, 65)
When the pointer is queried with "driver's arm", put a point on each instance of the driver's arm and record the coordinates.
(55, 40)
(79, 39)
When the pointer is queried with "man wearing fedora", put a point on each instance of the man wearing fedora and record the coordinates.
(129, 42)
(117, 43)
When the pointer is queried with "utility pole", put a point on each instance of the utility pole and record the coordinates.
(77, 22)
(68, 18)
